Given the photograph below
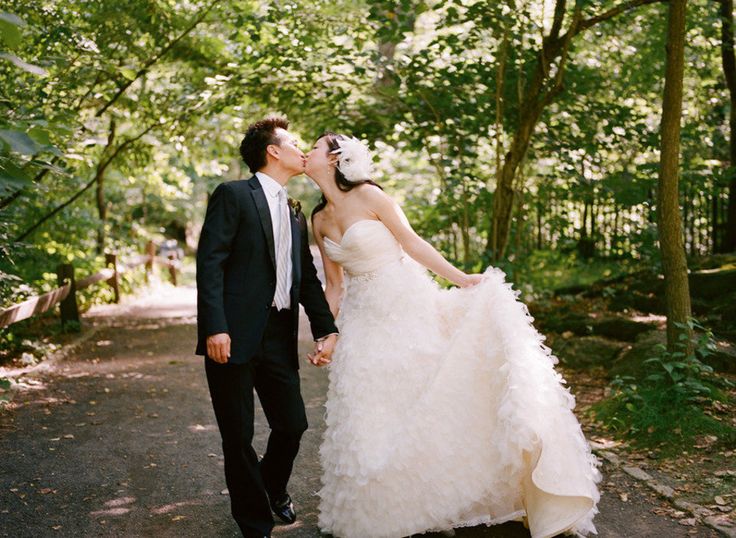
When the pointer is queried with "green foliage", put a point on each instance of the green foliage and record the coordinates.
(543, 271)
(676, 400)
(126, 114)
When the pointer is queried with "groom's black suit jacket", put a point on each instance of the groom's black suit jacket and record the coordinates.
(236, 272)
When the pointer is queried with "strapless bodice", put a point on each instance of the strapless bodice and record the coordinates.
(366, 246)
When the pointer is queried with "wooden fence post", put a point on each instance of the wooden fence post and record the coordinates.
(112, 260)
(172, 267)
(68, 307)
(151, 253)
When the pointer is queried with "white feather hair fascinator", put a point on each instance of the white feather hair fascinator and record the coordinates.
(354, 159)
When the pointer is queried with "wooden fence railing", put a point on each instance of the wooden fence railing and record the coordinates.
(66, 294)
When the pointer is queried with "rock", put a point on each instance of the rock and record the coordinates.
(636, 472)
(695, 509)
(649, 301)
(722, 524)
(620, 328)
(571, 290)
(586, 351)
(723, 358)
(560, 321)
(712, 261)
(610, 457)
(664, 491)
(711, 283)
(631, 361)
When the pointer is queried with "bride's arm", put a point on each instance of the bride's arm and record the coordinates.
(395, 220)
(333, 274)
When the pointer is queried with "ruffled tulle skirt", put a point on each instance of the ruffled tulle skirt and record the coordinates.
(444, 410)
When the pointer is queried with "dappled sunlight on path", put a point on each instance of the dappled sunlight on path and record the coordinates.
(158, 300)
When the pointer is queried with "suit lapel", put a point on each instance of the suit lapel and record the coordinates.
(296, 249)
(259, 197)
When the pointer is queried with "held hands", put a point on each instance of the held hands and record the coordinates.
(218, 347)
(323, 349)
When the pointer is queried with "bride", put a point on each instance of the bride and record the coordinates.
(443, 409)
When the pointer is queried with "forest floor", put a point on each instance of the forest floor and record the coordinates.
(115, 436)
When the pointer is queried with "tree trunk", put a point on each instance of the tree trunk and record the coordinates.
(539, 225)
(669, 224)
(542, 90)
(615, 241)
(465, 228)
(714, 223)
(705, 223)
(728, 59)
(503, 199)
(102, 212)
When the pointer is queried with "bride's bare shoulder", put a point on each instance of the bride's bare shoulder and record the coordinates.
(371, 193)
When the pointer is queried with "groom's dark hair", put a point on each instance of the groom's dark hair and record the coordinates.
(258, 137)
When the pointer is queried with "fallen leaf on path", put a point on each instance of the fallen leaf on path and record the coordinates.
(719, 500)
(624, 497)
(721, 474)
(706, 441)
(689, 522)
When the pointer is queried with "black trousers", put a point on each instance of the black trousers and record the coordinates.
(273, 376)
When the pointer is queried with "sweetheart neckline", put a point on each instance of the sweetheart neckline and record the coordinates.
(348, 229)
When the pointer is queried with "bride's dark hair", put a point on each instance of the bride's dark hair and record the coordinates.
(341, 181)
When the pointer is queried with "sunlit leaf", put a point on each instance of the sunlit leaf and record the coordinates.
(9, 29)
(128, 73)
(19, 142)
(12, 58)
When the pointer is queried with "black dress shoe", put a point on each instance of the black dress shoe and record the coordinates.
(284, 508)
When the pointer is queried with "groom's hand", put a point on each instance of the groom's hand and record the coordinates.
(218, 347)
(323, 349)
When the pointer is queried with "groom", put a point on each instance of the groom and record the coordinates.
(254, 267)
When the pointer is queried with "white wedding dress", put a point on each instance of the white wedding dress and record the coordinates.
(444, 409)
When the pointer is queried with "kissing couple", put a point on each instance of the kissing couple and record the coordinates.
(444, 408)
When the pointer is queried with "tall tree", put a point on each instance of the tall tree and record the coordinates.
(669, 223)
(728, 59)
(546, 83)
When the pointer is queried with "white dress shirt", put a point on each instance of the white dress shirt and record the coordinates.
(271, 189)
